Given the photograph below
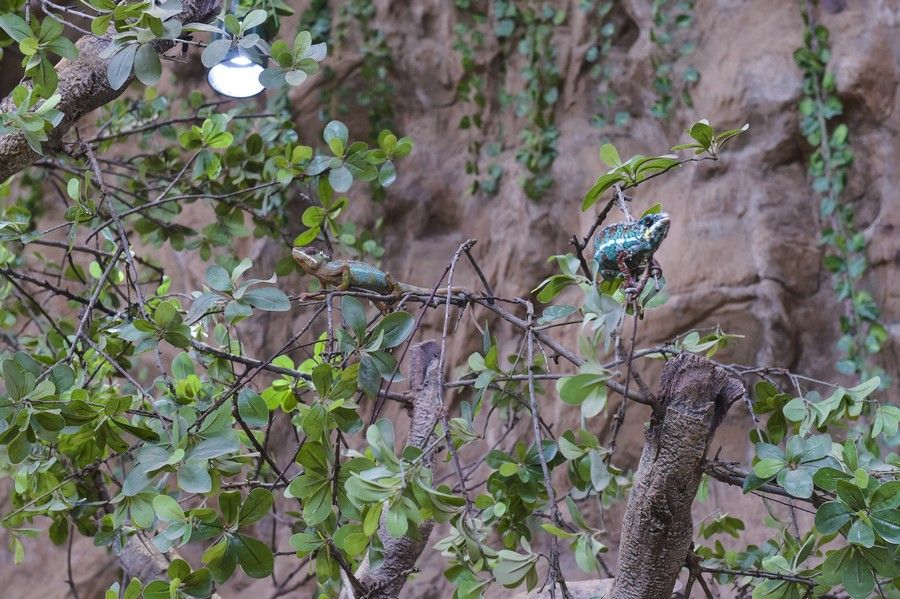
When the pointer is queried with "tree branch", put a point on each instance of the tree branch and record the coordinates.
(695, 394)
(400, 555)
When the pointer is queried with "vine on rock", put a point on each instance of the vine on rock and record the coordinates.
(672, 34)
(863, 333)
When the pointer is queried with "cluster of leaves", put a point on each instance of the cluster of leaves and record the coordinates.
(863, 332)
(469, 42)
(355, 22)
(855, 492)
(31, 115)
(537, 101)
(517, 28)
(638, 168)
(67, 410)
(39, 41)
(673, 35)
(609, 102)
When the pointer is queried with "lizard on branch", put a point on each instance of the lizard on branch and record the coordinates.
(626, 250)
(355, 274)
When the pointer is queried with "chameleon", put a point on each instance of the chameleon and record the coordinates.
(626, 249)
(355, 274)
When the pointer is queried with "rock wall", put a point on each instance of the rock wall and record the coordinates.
(742, 252)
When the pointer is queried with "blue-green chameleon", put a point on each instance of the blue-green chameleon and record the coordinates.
(355, 274)
(626, 250)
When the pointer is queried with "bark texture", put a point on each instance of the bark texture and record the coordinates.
(83, 87)
(140, 559)
(400, 554)
(694, 394)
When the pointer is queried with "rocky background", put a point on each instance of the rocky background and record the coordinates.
(743, 251)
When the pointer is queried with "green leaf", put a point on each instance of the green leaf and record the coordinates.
(396, 522)
(197, 584)
(798, 483)
(255, 507)
(334, 129)
(302, 43)
(703, 133)
(19, 382)
(610, 156)
(15, 27)
(857, 577)
(230, 503)
(252, 408)
(557, 312)
(887, 524)
(221, 559)
(147, 66)
(553, 286)
(826, 478)
(254, 556)
(167, 509)
(270, 299)
(795, 410)
(851, 495)
(353, 315)
(603, 183)
(340, 179)
(305, 542)
(218, 278)
(396, 328)
(119, 68)
(253, 19)
(512, 568)
(387, 174)
(831, 516)
(193, 476)
(768, 467)
(861, 534)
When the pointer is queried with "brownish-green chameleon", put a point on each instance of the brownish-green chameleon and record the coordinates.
(355, 274)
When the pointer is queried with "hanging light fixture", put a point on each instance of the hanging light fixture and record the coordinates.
(237, 74)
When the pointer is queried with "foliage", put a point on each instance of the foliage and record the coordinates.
(861, 326)
(673, 35)
(598, 56)
(525, 29)
(376, 91)
(132, 403)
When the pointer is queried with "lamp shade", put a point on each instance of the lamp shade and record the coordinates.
(238, 75)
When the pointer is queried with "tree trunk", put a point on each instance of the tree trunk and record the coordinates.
(400, 554)
(694, 395)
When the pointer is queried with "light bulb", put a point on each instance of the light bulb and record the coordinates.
(237, 76)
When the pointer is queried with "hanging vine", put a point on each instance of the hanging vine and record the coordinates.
(672, 35)
(523, 28)
(469, 42)
(609, 109)
(377, 91)
(537, 102)
(862, 331)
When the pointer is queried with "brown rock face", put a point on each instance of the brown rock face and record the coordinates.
(743, 249)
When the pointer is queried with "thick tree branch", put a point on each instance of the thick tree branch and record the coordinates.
(656, 532)
(84, 87)
(400, 555)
